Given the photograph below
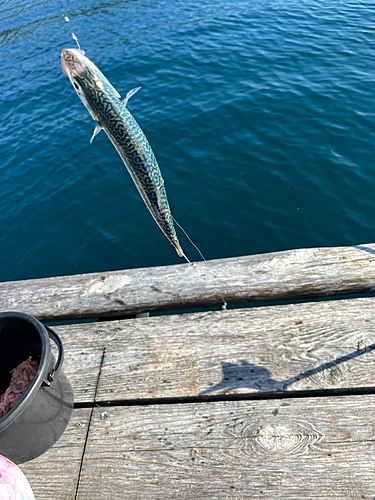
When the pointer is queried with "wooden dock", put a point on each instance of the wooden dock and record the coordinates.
(263, 402)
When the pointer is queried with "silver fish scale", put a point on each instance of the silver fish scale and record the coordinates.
(135, 150)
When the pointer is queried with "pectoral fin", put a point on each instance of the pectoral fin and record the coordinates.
(97, 129)
(129, 94)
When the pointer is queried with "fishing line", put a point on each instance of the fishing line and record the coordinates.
(224, 306)
(188, 237)
(187, 260)
(76, 40)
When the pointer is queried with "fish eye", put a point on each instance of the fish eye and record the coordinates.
(76, 86)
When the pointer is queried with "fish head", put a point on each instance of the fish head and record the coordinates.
(73, 62)
(84, 76)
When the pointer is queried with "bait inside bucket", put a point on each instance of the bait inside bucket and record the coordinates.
(39, 418)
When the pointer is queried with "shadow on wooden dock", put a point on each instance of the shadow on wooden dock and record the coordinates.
(246, 375)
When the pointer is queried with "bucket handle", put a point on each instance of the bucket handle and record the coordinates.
(51, 376)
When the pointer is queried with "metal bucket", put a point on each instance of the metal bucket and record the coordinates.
(39, 418)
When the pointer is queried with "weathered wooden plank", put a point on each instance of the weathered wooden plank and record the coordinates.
(318, 448)
(82, 363)
(315, 345)
(54, 475)
(311, 272)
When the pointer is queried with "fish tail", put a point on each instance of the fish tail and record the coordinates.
(181, 253)
(178, 249)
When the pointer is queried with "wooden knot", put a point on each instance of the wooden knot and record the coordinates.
(335, 376)
(280, 437)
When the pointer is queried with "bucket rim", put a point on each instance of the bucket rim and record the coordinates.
(40, 374)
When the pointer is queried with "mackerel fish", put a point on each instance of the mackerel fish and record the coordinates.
(111, 114)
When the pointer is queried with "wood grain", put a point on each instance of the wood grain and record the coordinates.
(311, 272)
(54, 475)
(306, 346)
(82, 367)
(301, 448)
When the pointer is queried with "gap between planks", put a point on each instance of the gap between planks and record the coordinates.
(258, 396)
(88, 425)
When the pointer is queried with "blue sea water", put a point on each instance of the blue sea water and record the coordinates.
(261, 114)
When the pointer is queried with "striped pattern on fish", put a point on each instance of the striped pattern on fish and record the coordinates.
(104, 104)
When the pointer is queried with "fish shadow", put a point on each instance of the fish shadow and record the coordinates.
(249, 376)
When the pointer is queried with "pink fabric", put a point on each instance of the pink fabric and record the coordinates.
(13, 484)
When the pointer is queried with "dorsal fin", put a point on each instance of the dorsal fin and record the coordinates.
(129, 94)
